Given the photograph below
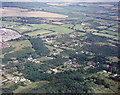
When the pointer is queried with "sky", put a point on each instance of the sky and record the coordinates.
(59, 0)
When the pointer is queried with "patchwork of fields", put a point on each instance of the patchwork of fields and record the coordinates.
(59, 48)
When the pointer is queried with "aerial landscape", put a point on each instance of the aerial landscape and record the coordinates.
(59, 47)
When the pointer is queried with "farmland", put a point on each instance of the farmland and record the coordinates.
(24, 13)
(35, 33)
(59, 48)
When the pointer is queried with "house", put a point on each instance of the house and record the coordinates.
(30, 58)
(15, 81)
(74, 58)
(82, 51)
(16, 61)
(44, 39)
(2, 65)
(104, 71)
(55, 70)
(109, 73)
(10, 78)
(22, 79)
(115, 75)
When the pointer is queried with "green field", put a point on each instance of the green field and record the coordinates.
(67, 25)
(28, 88)
(112, 28)
(79, 27)
(23, 28)
(102, 27)
(35, 33)
(8, 23)
(51, 48)
(20, 44)
(109, 32)
(61, 30)
(106, 35)
(42, 26)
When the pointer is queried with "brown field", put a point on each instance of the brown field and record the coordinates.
(58, 23)
(6, 12)
(114, 8)
(63, 4)
(106, 5)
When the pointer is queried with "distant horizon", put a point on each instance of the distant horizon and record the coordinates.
(60, 1)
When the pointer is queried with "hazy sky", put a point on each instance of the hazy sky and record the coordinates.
(59, 0)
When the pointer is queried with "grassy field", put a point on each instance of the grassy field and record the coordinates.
(67, 25)
(92, 30)
(8, 23)
(112, 28)
(19, 45)
(51, 48)
(109, 32)
(24, 28)
(28, 88)
(79, 27)
(102, 27)
(43, 59)
(106, 35)
(62, 30)
(24, 13)
(43, 26)
(35, 33)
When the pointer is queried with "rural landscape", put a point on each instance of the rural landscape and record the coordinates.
(59, 47)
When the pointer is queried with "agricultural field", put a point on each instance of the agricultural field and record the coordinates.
(9, 11)
(109, 32)
(38, 32)
(62, 30)
(22, 28)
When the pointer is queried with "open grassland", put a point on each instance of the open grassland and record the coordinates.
(35, 33)
(109, 32)
(106, 35)
(67, 25)
(92, 30)
(28, 88)
(112, 28)
(43, 59)
(51, 48)
(43, 26)
(19, 45)
(102, 27)
(79, 27)
(23, 28)
(62, 30)
(9, 11)
(8, 23)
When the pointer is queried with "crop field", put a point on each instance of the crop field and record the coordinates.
(92, 30)
(24, 13)
(43, 26)
(35, 33)
(19, 45)
(22, 28)
(51, 48)
(106, 35)
(79, 27)
(102, 27)
(110, 32)
(61, 30)
(29, 87)
(113, 29)
(67, 25)
(44, 59)
(8, 23)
